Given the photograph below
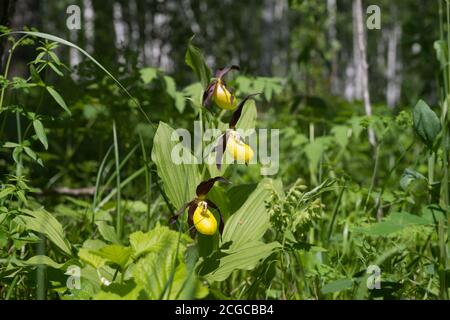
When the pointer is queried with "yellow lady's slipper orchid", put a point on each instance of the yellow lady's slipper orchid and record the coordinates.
(232, 142)
(238, 149)
(204, 220)
(200, 218)
(218, 91)
(224, 98)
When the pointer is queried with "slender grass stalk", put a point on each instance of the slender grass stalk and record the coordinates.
(41, 283)
(147, 183)
(97, 182)
(119, 222)
(114, 173)
(122, 185)
(374, 175)
(12, 287)
(313, 170)
(335, 211)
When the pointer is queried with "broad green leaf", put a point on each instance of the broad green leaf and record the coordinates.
(117, 291)
(108, 232)
(41, 259)
(194, 59)
(252, 220)
(91, 258)
(115, 253)
(153, 241)
(58, 99)
(239, 194)
(395, 222)
(43, 222)
(153, 271)
(248, 117)
(220, 265)
(337, 286)
(426, 123)
(406, 219)
(179, 180)
(40, 132)
(148, 74)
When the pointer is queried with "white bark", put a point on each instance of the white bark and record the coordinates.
(332, 38)
(88, 24)
(120, 30)
(393, 89)
(362, 65)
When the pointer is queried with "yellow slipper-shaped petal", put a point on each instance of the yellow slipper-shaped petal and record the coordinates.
(239, 150)
(204, 220)
(223, 98)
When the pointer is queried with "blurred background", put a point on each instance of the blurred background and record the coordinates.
(302, 54)
(313, 42)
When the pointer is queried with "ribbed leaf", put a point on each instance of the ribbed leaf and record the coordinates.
(251, 221)
(107, 231)
(43, 260)
(218, 267)
(180, 180)
(153, 272)
(115, 253)
(247, 119)
(43, 222)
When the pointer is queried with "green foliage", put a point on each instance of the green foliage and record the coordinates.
(426, 123)
(194, 59)
(179, 180)
(154, 266)
(43, 222)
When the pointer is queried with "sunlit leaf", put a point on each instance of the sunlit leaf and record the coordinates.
(43, 222)
(220, 265)
(179, 180)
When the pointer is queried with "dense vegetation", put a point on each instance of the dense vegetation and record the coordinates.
(90, 193)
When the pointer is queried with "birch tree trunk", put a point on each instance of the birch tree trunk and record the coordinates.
(332, 36)
(362, 65)
(393, 88)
